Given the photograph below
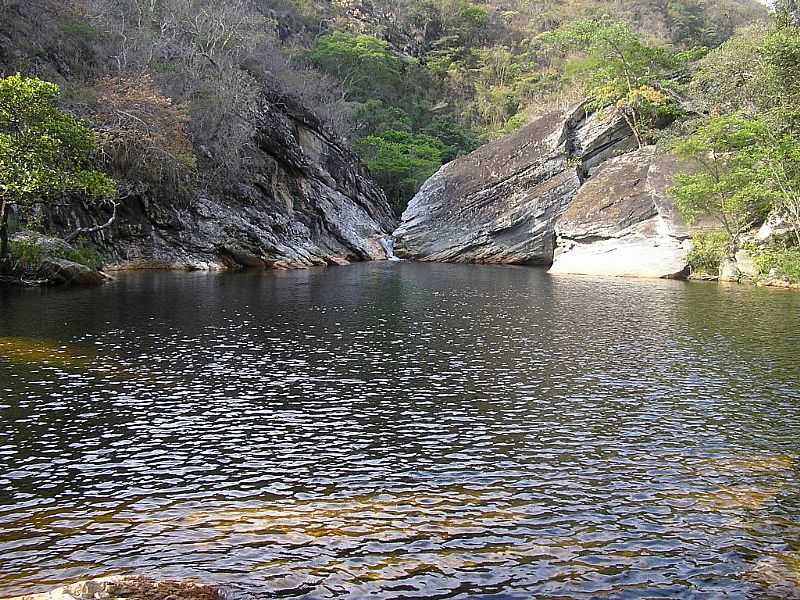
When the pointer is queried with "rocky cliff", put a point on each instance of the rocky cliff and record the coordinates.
(568, 191)
(306, 201)
(500, 203)
(623, 223)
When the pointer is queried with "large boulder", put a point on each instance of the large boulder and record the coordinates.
(623, 223)
(39, 259)
(59, 271)
(305, 201)
(500, 203)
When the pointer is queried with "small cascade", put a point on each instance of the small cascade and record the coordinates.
(387, 243)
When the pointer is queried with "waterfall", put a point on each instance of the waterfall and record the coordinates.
(388, 246)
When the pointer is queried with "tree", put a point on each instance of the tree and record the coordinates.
(731, 184)
(621, 70)
(364, 64)
(401, 162)
(788, 12)
(44, 152)
(780, 156)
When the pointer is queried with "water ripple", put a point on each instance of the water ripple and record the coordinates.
(403, 431)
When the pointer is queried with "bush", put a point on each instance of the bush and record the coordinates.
(708, 250)
(401, 162)
(782, 263)
(143, 135)
(27, 254)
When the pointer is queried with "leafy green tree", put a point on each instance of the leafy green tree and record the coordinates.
(730, 184)
(401, 162)
(455, 138)
(621, 70)
(365, 65)
(375, 117)
(44, 152)
(780, 157)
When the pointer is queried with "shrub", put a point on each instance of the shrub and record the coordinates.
(783, 263)
(143, 135)
(708, 250)
(27, 255)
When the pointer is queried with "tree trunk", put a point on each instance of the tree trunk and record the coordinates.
(5, 209)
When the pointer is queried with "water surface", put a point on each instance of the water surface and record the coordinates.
(403, 430)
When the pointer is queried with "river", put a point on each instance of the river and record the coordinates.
(401, 430)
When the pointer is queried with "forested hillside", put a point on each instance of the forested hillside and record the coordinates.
(172, 84)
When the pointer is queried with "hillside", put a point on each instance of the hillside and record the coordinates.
(410, 84)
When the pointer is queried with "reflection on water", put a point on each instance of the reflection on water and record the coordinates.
(403, 431)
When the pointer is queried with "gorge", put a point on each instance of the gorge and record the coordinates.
(399, 299)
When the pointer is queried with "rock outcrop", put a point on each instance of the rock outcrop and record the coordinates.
(45, 260)
(306, 201)
(570, 191)
(622, 222)
(500, 203)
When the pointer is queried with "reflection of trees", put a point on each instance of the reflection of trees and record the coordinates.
(754, 329)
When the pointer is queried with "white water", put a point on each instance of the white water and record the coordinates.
(388, 246)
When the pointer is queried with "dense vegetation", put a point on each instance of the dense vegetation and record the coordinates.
(745, 146)
(171, 87)
(44, 152)
(172, 84)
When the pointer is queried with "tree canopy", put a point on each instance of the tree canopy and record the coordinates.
(44, 152)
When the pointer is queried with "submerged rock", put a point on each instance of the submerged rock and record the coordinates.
(500, 203)
(58, 271)
(623, 223)
(129, 588)
(306, 201)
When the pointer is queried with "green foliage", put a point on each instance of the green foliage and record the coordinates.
(619, 69)
(708, 250)
(730, 184)
(365, 65)
(375, 117)
(43, 151)
(757, 71)
(401, 162)
(780, 262)
(456, 140)
(28, 255)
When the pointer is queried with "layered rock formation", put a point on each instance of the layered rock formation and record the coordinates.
(569, 190)
(307, 201)
(500, 203)
(622, 222)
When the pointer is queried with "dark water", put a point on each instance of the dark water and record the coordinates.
(403, 431)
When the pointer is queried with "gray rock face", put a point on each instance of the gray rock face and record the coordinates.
(622, 222)
(729, 271)
(307, 201)
(500, 203)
